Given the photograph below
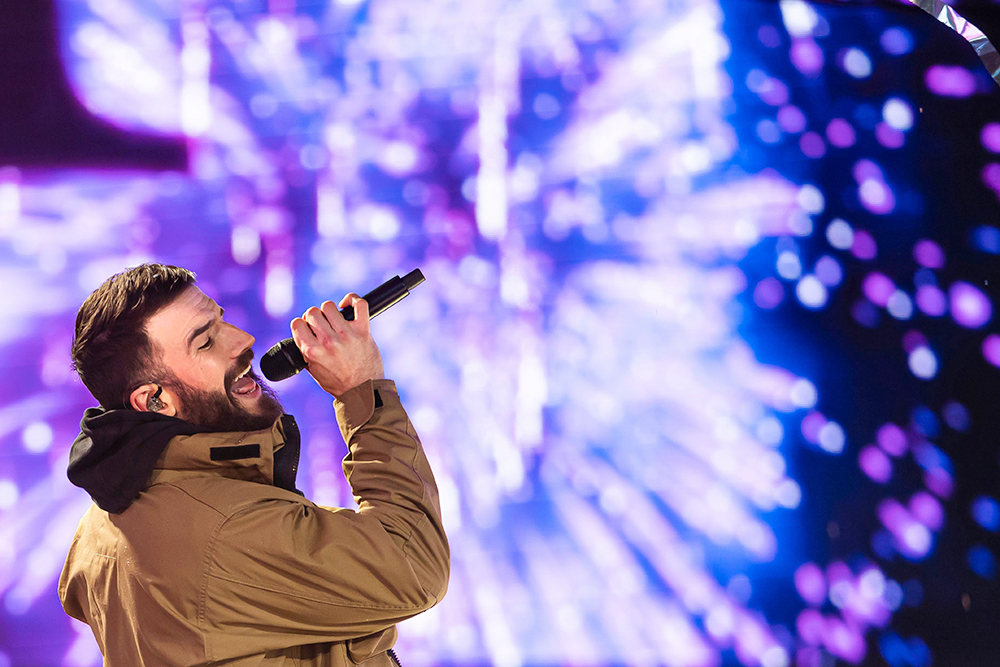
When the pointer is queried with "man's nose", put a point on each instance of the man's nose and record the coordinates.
(242, 341)
(248, 340)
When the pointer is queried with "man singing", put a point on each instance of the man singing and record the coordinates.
(199, 550)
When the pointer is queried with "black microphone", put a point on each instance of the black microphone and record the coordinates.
(285, 359)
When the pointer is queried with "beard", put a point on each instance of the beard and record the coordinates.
(219, 412)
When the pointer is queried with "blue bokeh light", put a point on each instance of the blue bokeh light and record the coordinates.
(982, 561)
(986, 512)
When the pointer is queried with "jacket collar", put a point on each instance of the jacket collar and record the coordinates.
(269, 456)
(118, 450)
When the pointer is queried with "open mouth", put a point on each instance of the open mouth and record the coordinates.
(244, 384)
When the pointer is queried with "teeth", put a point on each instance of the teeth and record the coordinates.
(240, 376)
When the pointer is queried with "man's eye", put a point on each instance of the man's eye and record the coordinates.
(208, 344)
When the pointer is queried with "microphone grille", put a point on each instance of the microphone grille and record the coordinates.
(282, 361)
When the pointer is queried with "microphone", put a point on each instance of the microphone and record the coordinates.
(285, 359)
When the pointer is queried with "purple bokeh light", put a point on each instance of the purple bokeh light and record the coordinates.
(927, 509)
(812, 145)
(844, 641)
(878, 287)
(875, 464)
(866, 169)
(840, 133)
(838, 573)
(912, 539)
(891, 439)
(939, 481)
(876, 196)
(769, 293)
(807, 56)
(889, 136)
(950, 81)
(929, 254)
(791, 119)
(969, 306)
(811, 656)
(990, 136)
(931, 300)
(828, 271)
(864, 246)
(810, 583)
(991, 177)
(811, 426)
(770, 90)
(811, 625)
(991, 349)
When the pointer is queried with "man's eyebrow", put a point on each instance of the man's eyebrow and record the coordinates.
(206, 326)
(199, 331)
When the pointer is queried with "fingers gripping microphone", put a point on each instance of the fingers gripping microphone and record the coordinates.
(285, 360)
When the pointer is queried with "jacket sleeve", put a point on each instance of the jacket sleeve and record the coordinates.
(286, 572)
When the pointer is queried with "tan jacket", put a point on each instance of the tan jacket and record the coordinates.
(213, 564)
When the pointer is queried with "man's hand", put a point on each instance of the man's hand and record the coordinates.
(341, 354)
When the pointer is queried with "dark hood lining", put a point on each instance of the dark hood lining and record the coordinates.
(114, 456)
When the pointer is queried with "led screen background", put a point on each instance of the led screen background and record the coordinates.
(705, 356)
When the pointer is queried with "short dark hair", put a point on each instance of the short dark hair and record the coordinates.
(111, 352)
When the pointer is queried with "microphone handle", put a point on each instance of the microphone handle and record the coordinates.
(285, 359)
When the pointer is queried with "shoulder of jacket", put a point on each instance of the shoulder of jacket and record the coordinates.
(226, 495)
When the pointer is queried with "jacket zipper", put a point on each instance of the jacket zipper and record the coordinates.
(392, 656)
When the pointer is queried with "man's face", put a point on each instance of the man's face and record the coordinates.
(206, 362)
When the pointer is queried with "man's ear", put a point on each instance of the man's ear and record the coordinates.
(153, 398)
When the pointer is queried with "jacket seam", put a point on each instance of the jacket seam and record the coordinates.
(410, 433)
(412, 465)
(341, 603)
(407, 547)
(203, 593)
(243, 507)
(194, 498)
(209, 552)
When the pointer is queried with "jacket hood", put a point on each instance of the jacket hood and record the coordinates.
(117, 451)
